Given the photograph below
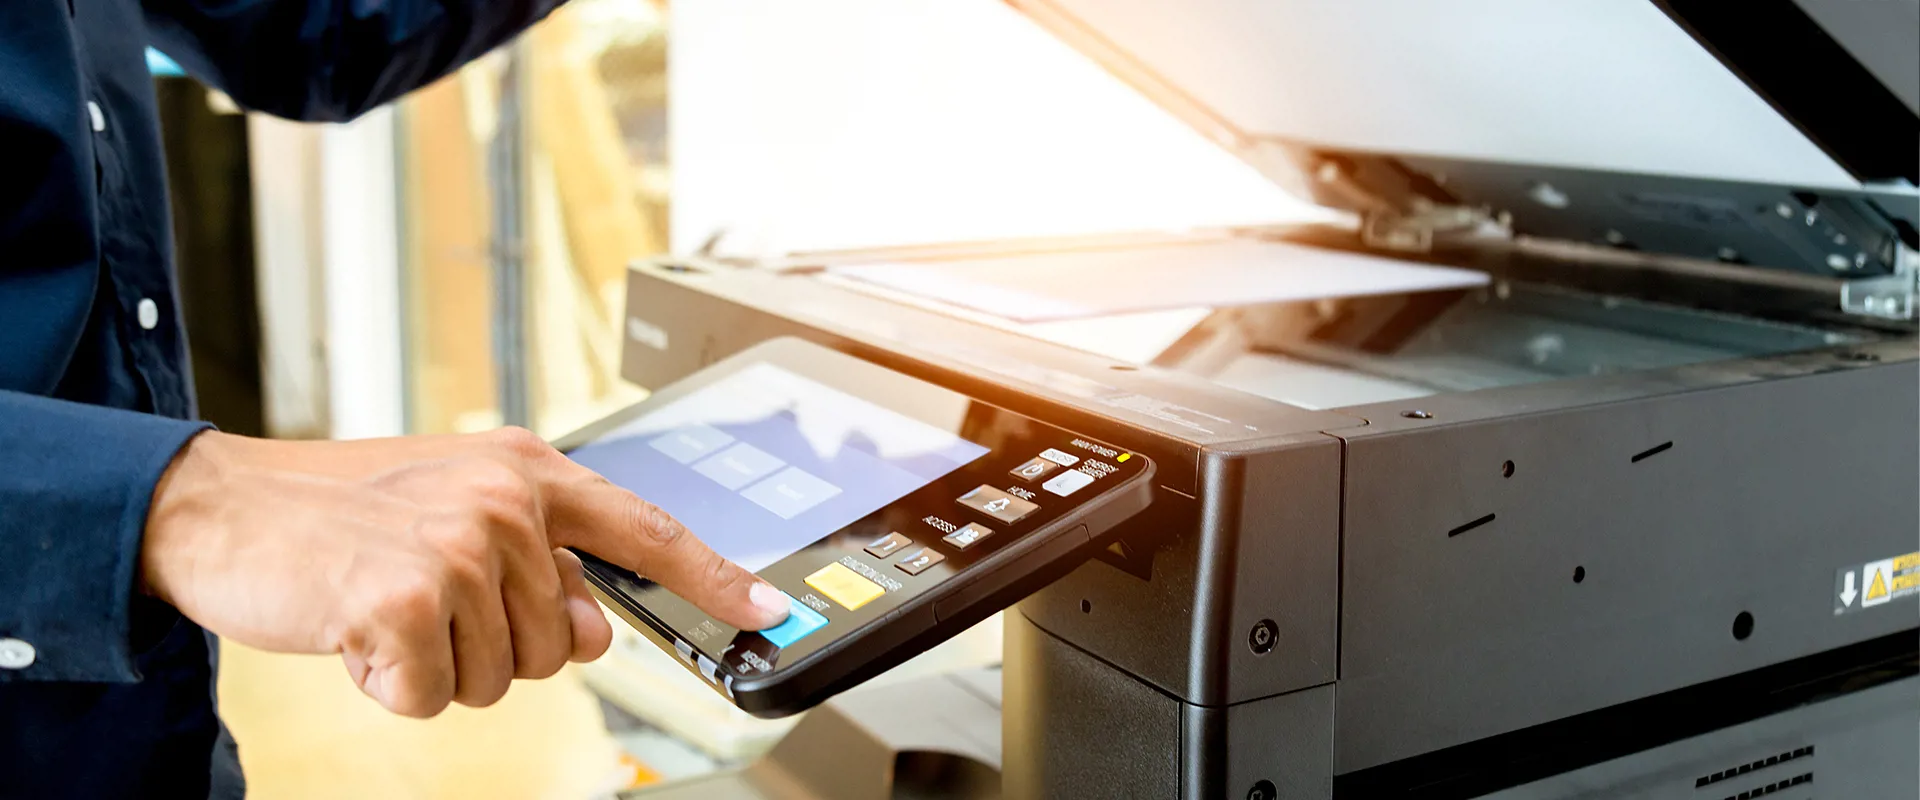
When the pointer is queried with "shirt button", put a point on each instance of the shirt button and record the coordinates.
(98, 117)
(149, 312)
(15, 654)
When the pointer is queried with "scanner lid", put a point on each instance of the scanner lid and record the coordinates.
(1781, 134)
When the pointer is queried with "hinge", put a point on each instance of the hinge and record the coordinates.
(1886, 296)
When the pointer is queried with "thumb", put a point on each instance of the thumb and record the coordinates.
(591, 633)
(615, 525)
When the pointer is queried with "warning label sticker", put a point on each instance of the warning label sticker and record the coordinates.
(1874, 583)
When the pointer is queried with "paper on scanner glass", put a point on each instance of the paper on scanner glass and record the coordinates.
(1056, 286)
(894, 513)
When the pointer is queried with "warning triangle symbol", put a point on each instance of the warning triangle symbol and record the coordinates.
(1879, 587)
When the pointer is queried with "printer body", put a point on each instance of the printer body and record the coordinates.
(1588, 528)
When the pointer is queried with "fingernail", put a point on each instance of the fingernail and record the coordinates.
(373, 687)
(771, 600)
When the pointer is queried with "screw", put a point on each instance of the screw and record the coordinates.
(1416, 414)
(1837, 261)
(1545, 194)
(1545, 347)
(1264, 790)
(1263, 637)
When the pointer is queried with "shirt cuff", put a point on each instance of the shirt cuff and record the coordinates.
(75, 485)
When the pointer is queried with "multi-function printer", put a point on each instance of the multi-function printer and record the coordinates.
(1633, 510)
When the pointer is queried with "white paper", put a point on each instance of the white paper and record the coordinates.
(1079, 285)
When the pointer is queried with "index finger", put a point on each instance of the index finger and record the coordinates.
(614, 524)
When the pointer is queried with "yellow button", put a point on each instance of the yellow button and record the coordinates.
(844, 586)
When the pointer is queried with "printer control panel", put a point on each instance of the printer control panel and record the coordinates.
(881, 505)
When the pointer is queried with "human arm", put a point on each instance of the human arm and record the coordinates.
(75, 485)
(431, 564)
(331, 60)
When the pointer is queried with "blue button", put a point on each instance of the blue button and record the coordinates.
(801, 621)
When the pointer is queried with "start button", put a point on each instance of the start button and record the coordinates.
(801, 621)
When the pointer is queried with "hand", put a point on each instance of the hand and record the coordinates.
(431, 564)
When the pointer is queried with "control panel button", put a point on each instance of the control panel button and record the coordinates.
(967, 536)
(739, 465)
(708, 669)
(1068, 482)
(790, 492)
(751, 656)
(801, 621)
(998, 504)
(1057, 457)
(888, 545)
(687, 445)
(844, 586)
(1035, 470)
(920, 561)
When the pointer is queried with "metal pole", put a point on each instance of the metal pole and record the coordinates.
(507, 182)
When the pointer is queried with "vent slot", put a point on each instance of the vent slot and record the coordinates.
(1652, 451)
(1734, 772)
(1470, 526)
(1803, 778)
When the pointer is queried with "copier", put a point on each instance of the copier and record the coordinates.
(1632, 511)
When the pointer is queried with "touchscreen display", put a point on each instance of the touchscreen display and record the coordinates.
(764, 462)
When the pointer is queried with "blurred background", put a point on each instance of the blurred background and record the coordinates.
(455, 262)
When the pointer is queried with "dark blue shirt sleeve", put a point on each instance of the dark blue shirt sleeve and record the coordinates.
(75, 484)
(330, 60)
